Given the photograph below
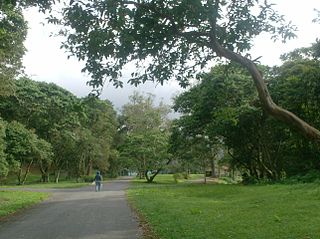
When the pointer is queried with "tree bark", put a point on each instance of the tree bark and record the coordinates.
(57, 175)
(44, 173)
(27, 172)
(150, 179)
(267, 103)
(19, 175)
(89, 168)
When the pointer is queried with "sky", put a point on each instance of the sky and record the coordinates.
(45, 61)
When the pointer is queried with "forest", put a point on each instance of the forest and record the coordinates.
(228, 123)
(220, 125)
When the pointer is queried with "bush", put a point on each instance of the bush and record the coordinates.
(88, 179)
(178, 176)
(310, 177)
(247, 179)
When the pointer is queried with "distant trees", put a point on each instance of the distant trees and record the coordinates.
(146, 127)
(225, 106)
(12, 36)
(174, 40)
(23, 149)
(49, 127)
(42, 124)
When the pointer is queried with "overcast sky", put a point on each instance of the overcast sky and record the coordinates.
(45, 61)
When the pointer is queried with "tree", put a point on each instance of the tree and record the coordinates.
(295, 85)
(43, 156)
(4, 166)
(173, 39)
(80, 131)
(23, 148)
(146, 143)
(13, 32)
(224, 105)
(211, 109)
(100, 119)
(12, 35)
(46, 108)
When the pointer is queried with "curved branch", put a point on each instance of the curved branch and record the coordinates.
(267, 103)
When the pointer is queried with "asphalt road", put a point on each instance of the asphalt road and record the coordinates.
(77, 214)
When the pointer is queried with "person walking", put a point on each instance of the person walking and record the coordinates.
(98, 180)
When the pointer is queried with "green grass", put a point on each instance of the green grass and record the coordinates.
(12, 201)
(191, 211)
(66, 184)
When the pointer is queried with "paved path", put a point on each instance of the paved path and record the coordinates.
(77, 214)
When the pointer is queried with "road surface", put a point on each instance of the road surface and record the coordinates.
(77, 214)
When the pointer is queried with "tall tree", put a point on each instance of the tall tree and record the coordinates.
(23, 148)
(4, 166)
(12, 35)
(102, 123)
(146, 142)
(46, 108)
(173, 39)
(13, 32)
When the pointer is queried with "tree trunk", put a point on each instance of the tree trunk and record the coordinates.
(150, 179)
(89, 168)
(45, 177)
(213, 168)
(19, 175)
(27, 172)
(57, 175)
(267, 103)
(44, 174)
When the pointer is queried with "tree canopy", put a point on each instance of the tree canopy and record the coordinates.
(13, 32)
(59, 132)
(225, 107)
(167, 38)
(146, 141)
(173, 39)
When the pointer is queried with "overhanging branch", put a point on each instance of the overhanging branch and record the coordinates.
(267, 103)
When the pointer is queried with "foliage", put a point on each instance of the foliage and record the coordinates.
(13, 31)
(146, 143)
(73, 135)
(167, 39)
(195, 211)
(224, 106)
(23, 147)
(4, 166)
(211, 109)
(100, 118)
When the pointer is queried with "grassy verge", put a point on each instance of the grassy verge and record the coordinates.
(12, 201)
(67, 184)
(197, 211)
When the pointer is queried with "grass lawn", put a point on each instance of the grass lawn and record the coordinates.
(12, 201)
(66, 184)
(190, 211)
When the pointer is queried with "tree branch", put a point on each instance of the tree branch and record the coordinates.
(267, 103)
